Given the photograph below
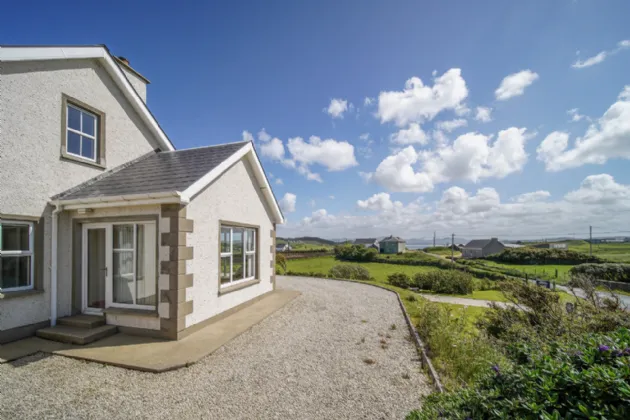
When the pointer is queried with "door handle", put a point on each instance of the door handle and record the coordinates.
(105, 270)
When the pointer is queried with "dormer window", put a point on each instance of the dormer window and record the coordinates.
(82, 135)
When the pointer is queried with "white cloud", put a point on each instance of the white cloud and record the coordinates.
(417, 102)
(601, 56)
(365, 137)
(483, 114)
(247, 136)
(332, 197)
(287, 203)
(337, 108)
(451, 125)
(263, 136)
(532, 197)
(368, 101)
(412, 135)
(575, 115)
(332, 154)
(471, 157)
(273, 149)
(306, 172)
(279, 181)
(515, 84)
(600, 189)
(380, 201)
(530, 215)
(608, 138)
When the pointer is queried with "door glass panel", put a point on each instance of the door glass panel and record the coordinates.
(96, 268)
(123, 264)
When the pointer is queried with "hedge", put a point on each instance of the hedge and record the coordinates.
(608, 271)
(527, 255)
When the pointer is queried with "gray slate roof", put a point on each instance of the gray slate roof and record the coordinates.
(155, 172)
(478, 243)
(364, 241)
(392, 239)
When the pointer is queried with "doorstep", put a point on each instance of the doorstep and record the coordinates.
(152, 354)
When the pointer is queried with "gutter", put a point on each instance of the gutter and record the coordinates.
(53, 265)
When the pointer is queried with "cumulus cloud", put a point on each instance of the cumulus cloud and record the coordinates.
(600, 189)
(575, 115)
(380, 201)
(483, 114)
(515, 84)
(608, 138)
(368, 101)
(332, 154)
(418, 102)
(451, 125)
(273, 149)
(601, 56)
(412, 135)
(247, 136)
(263, 136)
(337, 108)
(471, 157)
(532, 197)
(529, 215)
(287, 203)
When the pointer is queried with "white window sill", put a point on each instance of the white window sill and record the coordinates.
(232, 287)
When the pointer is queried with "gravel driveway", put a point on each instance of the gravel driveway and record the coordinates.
(306, 361)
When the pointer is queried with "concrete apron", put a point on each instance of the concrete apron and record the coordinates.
(154, 355)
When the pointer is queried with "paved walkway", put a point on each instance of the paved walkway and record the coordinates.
(463, 301)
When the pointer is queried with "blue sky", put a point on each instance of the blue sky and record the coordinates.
(223, 68)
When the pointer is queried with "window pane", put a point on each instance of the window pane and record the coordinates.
(123, 237)
(123, 277)
(146, 280)
(250, 266)
(251, 239)
(89, 124)
(15, 271)
(15, 237)
(74, 143)
(88, 147)
(74, 118)
(237, 251)
(225, 239)
(225, 270)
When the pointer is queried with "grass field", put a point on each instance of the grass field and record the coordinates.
(612, 252)
(546, 272)
(307, 247)
(443, 251)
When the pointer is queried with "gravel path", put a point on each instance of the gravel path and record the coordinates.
(463, 301)
(305, 361)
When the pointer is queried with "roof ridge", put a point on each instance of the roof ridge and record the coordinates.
(208, 147)
(104, 175)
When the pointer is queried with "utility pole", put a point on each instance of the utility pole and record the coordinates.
(590, 240)
(452, 247)
(433, 239)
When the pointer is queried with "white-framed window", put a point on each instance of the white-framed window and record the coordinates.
(81, 132)
(238, 254)
(16, 256)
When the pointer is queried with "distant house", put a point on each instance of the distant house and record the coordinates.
(283, 248)
(551, 246)
(392, 245)
(480, 248)
(513, 245)
(367, 242)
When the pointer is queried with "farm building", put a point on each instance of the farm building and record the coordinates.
(392, 245)
(480, 248)
(367, 242)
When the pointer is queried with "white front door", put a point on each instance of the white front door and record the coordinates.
(119, 266)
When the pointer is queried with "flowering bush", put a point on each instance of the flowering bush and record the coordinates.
(586, 378)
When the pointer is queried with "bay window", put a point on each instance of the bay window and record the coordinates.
(238, 254)
(16, 256)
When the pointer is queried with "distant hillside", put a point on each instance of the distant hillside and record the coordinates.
(306, 240)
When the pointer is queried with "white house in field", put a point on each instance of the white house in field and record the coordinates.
(101, 216)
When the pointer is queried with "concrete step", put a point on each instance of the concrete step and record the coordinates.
(82, 321)
(76, 335)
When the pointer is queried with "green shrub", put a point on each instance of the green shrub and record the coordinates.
(281, 262)
(349, 252)
(399, 280)
(528, 255)
(609, 271)
(588, 378)
(444, 281)
(349, 271)
(485, 284)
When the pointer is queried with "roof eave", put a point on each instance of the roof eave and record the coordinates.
(123, 200)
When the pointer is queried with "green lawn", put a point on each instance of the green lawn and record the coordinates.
(611, 252)
(546, 272)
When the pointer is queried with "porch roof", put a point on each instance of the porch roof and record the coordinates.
(155, 172)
